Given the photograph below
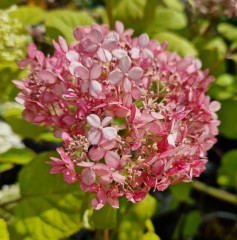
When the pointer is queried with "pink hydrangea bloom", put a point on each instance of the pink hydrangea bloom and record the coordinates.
(132, 116)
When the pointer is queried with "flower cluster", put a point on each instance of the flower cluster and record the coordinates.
(13, 38)
(132, 116)
(217, 7)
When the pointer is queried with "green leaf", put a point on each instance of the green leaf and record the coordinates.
(228, 31)
(146, 208)
(63, 22)
(20, 126)
(177, 43)
(17, 156)
(28, 15)
(167, 19)
(49, 208)
(228, 118)
(192, 221)
(150, 236)
(4, 235)
(105, 218)
(5, 167)
(174, 4)
(228, 169)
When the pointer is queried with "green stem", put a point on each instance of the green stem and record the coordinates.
(214, 192)
(109, 9)
(106, 234)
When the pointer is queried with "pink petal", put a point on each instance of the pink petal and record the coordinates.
(101, 169)
(118, 177)
(127, 86)
(104, 55)
(214, 106)
(23, 63)
(73, 66)
(106, 121)
(136, 93)
(47, 77)
(88, 176)
(85, 85)
(113, 202)
(88, 46)
(94, 136)
(110, 44)
(109, 133)
(115, 77)
(135, 73)
(113, 36)
(135, 53)
(95, 71)
(93, 120)
(143, 40)
(125, 64)
(82, 72)
(63, 44)
(72, 56)
(95, 36)
(112, 159)
(96, 153)
(119, 53)
(31, 50)
(95, 89)
(119, 27)
(95, 204)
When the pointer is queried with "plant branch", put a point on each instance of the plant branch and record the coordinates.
(106, 234)
(214, 192)
(109, 9)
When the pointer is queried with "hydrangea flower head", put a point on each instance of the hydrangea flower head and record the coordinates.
(132, 116)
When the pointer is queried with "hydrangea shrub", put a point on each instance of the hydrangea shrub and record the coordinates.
(132, 116)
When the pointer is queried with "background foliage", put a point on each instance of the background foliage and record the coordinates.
(36, 205)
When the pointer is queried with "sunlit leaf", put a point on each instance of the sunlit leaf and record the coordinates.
(150, 236)
(28, 15)
(4, 235)
(49, 207)
(228, 31)
(62, 22)
(177, 43)
(5, 167)
(228, 117)
(174, 4)
(17, 156)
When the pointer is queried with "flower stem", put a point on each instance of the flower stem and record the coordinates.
(106, 234)
(214, 192)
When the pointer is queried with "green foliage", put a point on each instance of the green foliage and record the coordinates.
(228, 118)
(49, 208)
(228, 171)
(228, 31)
(150, 236)
(4, 235)
(177, 43)
(62, 22)
(174, 4)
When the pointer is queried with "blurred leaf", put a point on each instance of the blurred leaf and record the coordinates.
(4, 235)
(146, 208)
(174, 4)
(20, 126)
(49, 207)
(167, 19)
(63, 22)
(150, 236)
(228, 169)
(180, 193)
(105, 218)
(177, 43)
(228, 118)
(7, 3)
(17, 156)
(5, 167)
(192, 221)
(228, 31)
(28, 15)
(149, 225)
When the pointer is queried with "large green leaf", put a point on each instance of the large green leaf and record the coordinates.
(5, 167)
(174, 4)
(228, 171)
(228, 31)
(17, 156)
(177, 43)
(192, 221)
(49, 208)
(150, 236)
(28, 15)
(167, 19)
(228, 118)
(63, 22)
(20, 126)
(4, 235)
